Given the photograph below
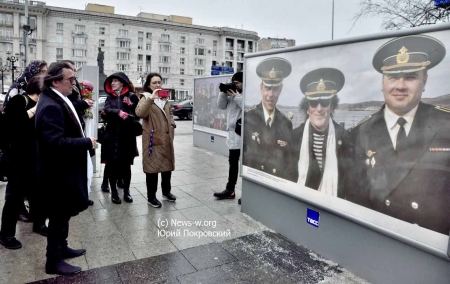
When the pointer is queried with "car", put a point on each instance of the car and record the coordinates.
(183, 109)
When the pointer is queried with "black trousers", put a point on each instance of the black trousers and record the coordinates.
(13, 205)
(58, 231)
(116, 171)
(152, 183)
(233, 171)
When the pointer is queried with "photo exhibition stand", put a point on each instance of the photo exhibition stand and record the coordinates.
(369, 250)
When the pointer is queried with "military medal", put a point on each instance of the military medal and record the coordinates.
(255, 136)
(372, 162)
(368, 162)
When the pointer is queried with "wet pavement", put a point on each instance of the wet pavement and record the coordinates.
(196, 239)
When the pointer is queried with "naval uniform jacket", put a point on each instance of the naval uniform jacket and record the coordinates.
(344, 153)
(413, 186)
(267, 148)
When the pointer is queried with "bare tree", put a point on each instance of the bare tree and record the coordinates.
(399, 14)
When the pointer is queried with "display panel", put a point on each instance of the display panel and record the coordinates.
(207, 116)
(323, 124)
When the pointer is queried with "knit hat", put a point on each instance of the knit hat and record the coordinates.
(239, 76)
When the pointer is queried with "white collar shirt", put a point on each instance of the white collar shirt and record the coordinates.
(393, 127)
(266, 116)
(72, 108)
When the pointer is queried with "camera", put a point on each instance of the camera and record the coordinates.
(226, 87)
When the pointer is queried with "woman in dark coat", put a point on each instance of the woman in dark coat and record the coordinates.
(22, 166)
(119, 146)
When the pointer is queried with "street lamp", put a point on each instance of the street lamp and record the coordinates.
(13, 59)
(3, 68)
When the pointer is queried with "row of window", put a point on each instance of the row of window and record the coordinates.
(124, 33)
(162, 70)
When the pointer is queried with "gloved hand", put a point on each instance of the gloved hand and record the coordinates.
(123, 115)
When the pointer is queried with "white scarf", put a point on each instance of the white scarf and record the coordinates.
(90, 167)
(329, 183)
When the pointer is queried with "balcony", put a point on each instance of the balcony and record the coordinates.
(250, 49)
(229, 57)
(229, 47)
(59, 56)
(6, 38)
(164, 39)
(239, 58)
(241, 49)
(79, 34)
(123, 38)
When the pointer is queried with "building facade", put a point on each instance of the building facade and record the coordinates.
(170, 45)
(274, 43)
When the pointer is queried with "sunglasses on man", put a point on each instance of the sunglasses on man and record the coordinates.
(323, 102)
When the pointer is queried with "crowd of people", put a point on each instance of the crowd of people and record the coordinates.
(48, 155)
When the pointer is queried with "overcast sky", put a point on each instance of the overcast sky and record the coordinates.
(306, 21)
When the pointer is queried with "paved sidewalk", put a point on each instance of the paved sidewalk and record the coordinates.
(204, 240)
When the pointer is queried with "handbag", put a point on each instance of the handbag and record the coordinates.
(237, 128)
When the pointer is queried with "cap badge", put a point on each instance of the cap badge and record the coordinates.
(272, 74)
(403, 56)
(321, 86)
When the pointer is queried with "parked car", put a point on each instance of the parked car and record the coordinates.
(183, 109)
(101, 105)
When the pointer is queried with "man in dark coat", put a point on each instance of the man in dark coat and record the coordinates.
(321, 148)
(267, 132)
(62, 164)
(403, 151)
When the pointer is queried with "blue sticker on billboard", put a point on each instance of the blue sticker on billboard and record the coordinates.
(312, 217)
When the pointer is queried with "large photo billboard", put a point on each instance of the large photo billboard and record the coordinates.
(362, 128)
(207, 116)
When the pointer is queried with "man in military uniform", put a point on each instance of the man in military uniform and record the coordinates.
(267, 131)
(322, 152)
(403, 150)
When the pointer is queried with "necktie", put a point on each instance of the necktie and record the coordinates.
(268, 122)
(401, 136)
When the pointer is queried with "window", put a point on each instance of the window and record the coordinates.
(79, 28)
(1, 49)
(199, 62)
(201, 41)
(101, 30)
(101, 42)
(214, 53)
(215, 44)
(148, 68)
(164, 47)
(181, 61)
(9, 19)
(182, 82)
(59, 38)
(79, 52)
(122, 67)
(165, 37)
(32, 49)
(182, 39)
(59, 26)
(149, 35)
(164, 70)
(78, 64)
(9, 47)
(140, 57)
(164, 59)
(139, 68)
(199, 51)
(79, 40)
(59, 53)
(182, 71)
(199, 72)
(124, 44)
(140, 44)
(123, 56)
(123, 33)
(9, 33)
(182, 50)
(164, 81)
(140, 34)
(148, 47)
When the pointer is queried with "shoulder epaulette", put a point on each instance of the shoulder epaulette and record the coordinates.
(250, 109)
(443, 108)
(361, 122)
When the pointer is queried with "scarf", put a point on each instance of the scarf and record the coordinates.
(329, 183)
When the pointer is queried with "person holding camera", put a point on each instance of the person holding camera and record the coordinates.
(230, 99)
(158, 130)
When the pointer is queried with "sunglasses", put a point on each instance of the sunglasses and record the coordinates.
(323, 103)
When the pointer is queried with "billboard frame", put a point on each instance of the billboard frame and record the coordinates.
(383, 35)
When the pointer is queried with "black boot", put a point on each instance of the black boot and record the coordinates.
(104, 186)
(115, 196)
(226, 194)
(71, 253)
(127, 196)
(61, 268)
